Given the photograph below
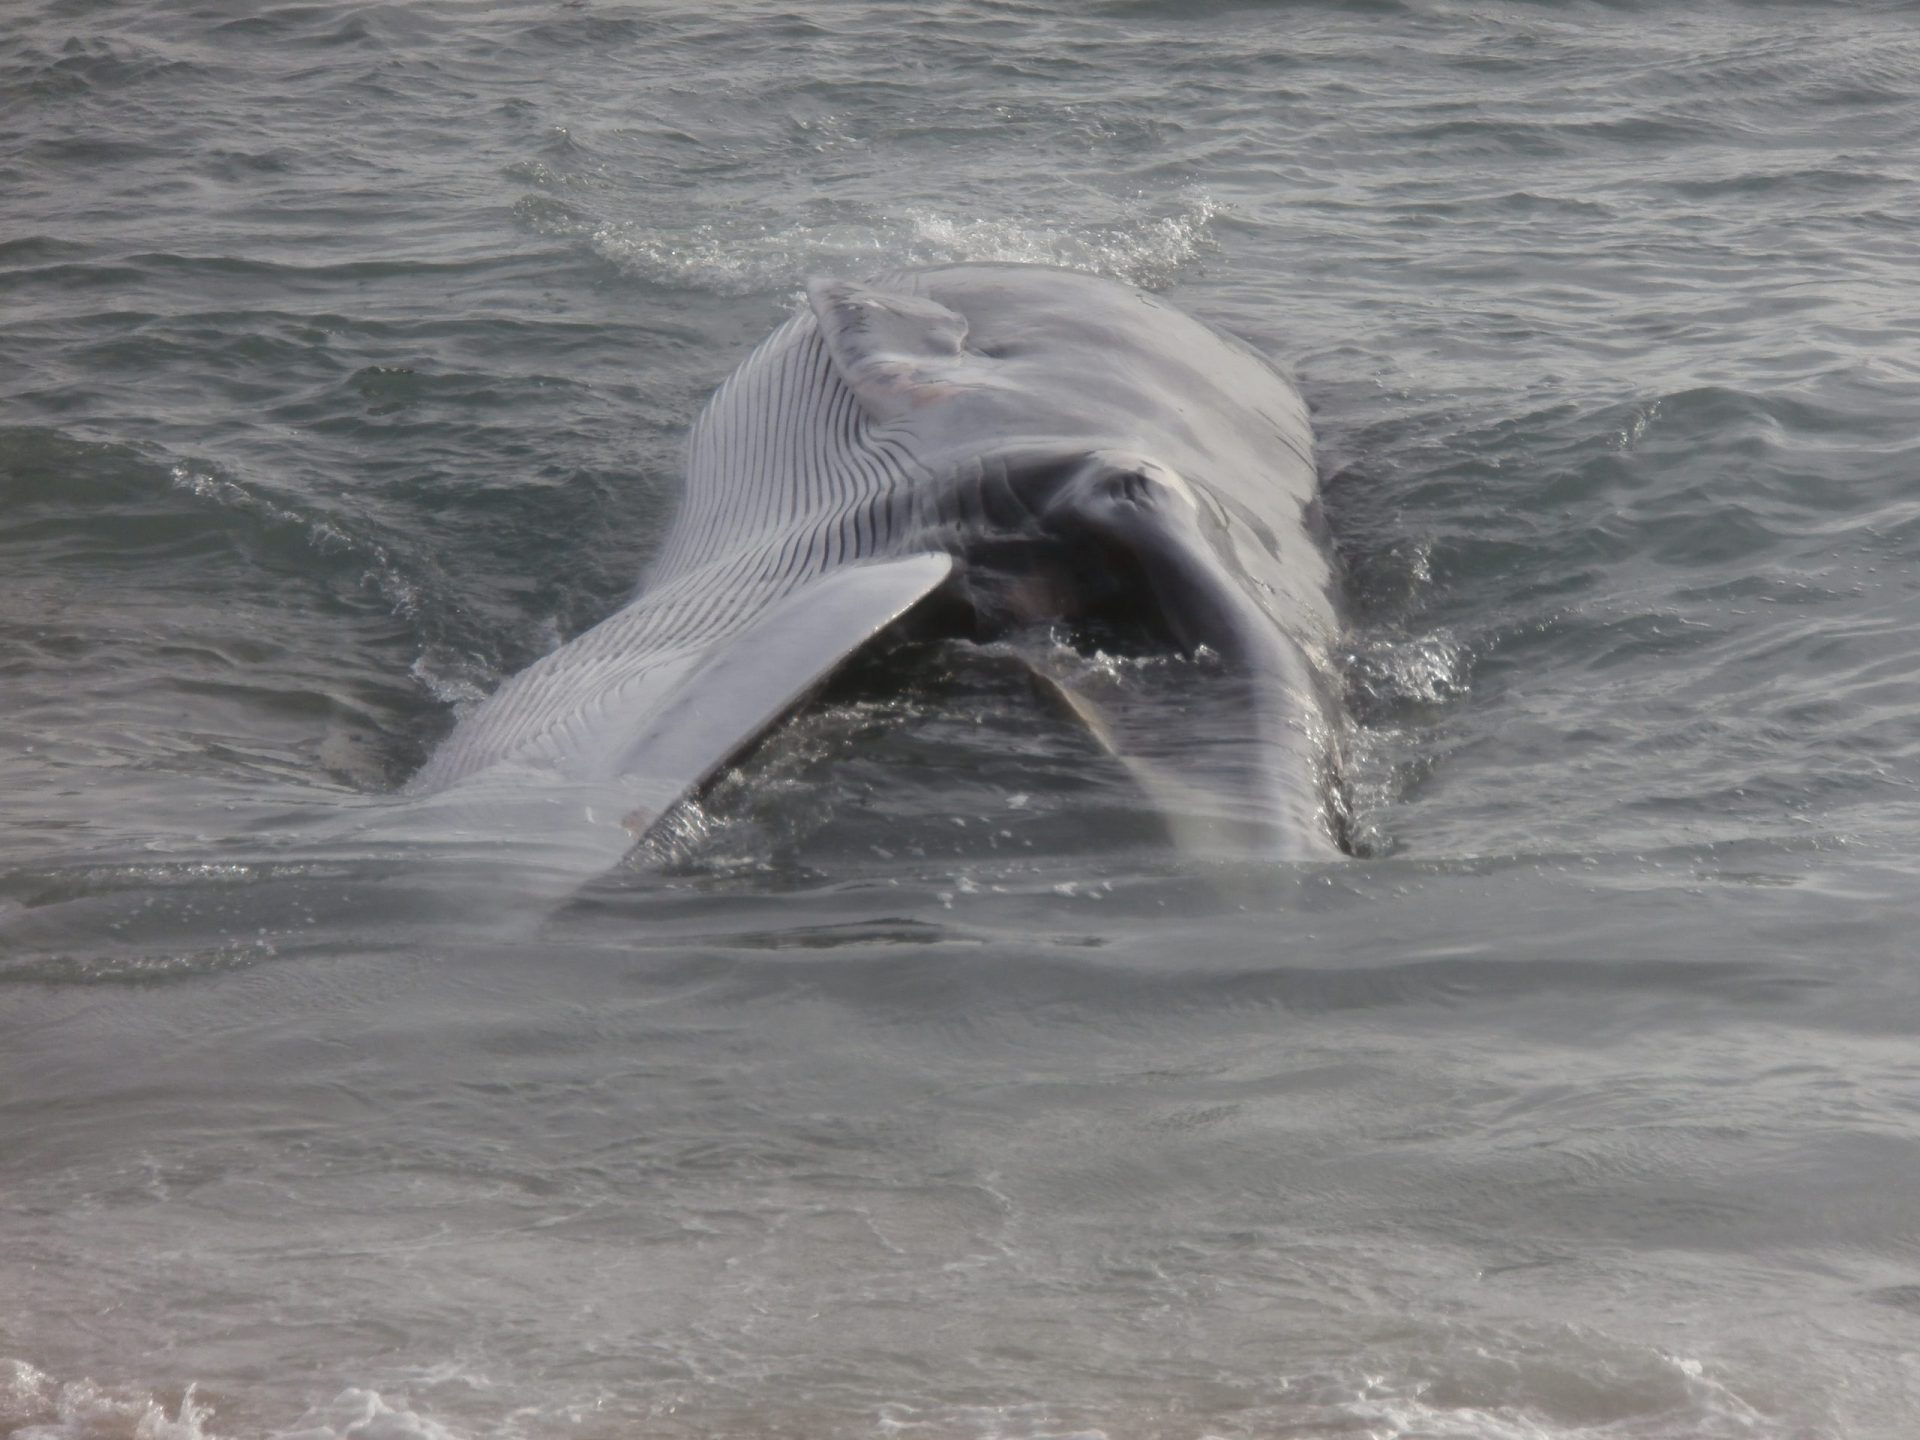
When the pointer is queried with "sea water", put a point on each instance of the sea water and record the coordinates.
(912, 1085)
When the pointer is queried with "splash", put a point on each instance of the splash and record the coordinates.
(35, 1406)
(1386, 672)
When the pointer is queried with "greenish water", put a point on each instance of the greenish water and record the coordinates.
(913, 1086)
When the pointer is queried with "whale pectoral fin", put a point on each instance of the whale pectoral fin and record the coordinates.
(1231, 743)
(897, 352)
(731, 698)
(1221, 756)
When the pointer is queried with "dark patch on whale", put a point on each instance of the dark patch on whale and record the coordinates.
(978, 447)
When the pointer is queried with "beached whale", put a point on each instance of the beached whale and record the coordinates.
(980, 448)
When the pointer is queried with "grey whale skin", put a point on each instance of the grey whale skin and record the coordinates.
(981, 447)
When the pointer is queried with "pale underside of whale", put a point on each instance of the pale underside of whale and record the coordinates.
(981, 448)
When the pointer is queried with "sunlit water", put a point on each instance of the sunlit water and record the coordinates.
(913, 1085)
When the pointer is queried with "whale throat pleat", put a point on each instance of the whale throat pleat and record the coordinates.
(787, 483)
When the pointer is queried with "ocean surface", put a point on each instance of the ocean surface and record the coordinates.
(913, 1085)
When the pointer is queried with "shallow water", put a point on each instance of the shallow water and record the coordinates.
(913, 1085)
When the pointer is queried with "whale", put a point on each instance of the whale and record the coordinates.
(977, 450)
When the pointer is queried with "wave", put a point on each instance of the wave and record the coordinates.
(36, 1406)
(1533, 1395)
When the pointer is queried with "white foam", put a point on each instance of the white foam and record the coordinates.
(230, 496)
(1716, 1415)
(1676, 1399)
(451, 678)
(1141, 242)
(35, 1406)
(364, 1415)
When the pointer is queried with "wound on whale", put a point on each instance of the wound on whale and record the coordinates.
(978, 448)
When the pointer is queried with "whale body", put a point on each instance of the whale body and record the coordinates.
(975, 449)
